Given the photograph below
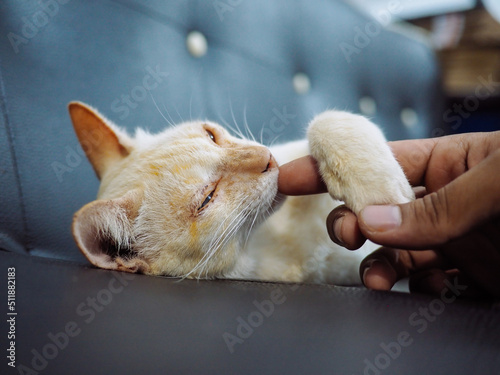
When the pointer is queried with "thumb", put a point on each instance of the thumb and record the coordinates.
(468, 201)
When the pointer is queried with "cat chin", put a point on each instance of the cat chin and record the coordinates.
(278, 200)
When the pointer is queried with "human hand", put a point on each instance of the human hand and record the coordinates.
(457, 215)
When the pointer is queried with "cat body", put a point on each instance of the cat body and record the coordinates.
(194, 201)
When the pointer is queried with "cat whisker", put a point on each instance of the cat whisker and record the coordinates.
(270, 209)
(161, 113)
(178, 113)
(222, 238)
(262, 135)
(215, 243)
(274, 140)
(234, 130)
(235, 229)
(235, 122)
(228, 233)
(168, 114)
(223, 222)
(251, 227)
(191, 106)
(246, 123)
(200, 71)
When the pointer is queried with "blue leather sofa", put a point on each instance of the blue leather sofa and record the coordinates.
(273, 64)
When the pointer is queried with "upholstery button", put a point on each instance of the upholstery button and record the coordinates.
(409, 117)
(196, 44)
(301, 83)
(367, 106)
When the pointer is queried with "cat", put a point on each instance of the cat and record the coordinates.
(196, 202)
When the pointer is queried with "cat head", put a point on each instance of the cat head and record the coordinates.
(178, 203)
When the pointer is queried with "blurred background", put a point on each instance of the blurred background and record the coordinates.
(466, 37)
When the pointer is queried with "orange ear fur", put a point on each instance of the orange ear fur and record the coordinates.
(98, 138)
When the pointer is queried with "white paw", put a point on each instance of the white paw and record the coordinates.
(355, 161)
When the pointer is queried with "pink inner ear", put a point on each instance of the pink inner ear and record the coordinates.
(87, 238)
(93, 236)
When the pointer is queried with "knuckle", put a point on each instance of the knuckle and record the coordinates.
(435, 211)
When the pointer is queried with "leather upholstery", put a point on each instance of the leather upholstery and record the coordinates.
(124, 56)
(134, 324)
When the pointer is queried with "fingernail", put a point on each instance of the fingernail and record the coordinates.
(367, 266)
(381, 218)
(337, 231)
(365, 271)
(376, 280)
(335, 228)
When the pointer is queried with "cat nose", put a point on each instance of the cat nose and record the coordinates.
(271, 164)
(253, 159)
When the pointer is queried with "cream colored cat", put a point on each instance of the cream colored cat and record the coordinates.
(194, 201)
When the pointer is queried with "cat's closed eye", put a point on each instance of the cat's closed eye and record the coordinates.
(207, 200)
(211, 135)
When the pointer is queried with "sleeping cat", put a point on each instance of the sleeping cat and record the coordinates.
(194, 201)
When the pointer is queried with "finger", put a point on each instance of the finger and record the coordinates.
(434, 163)
(420, 191)
(413, 156)
(440, 217)
(428, 281)
(343, 228)
(300, 177)
(477, 255)
(446, 284)
(379, 275)
(383, 268)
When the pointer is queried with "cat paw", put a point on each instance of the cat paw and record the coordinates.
(355, 162)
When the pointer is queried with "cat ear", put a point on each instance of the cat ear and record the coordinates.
(103, 142)
(103, 230)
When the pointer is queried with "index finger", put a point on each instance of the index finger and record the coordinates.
(300, 177)
(434, 163)
(413, 156)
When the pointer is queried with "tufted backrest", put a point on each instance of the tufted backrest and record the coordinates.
(273, 64)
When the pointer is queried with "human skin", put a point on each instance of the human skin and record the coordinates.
(451, 230)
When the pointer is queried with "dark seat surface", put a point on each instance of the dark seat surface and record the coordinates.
(132, 324)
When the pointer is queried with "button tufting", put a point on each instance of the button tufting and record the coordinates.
(196, 44)
(367, 106)
(301, 83)
(409, 117)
